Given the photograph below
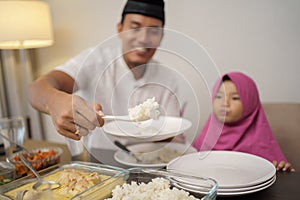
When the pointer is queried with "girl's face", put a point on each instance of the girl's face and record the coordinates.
(227, 105)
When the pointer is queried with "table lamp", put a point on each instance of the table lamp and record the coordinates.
(25, 25)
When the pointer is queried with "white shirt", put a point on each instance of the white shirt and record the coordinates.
(103, 77)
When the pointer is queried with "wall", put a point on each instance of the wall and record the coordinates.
(260, 38)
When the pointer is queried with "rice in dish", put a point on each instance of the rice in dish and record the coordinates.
(147, 110)
(158, 188)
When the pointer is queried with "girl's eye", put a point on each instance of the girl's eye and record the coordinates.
(236, 98)
(218, 96)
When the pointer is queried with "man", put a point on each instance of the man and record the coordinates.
(109, 79)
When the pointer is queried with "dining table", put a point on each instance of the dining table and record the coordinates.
(286, 186)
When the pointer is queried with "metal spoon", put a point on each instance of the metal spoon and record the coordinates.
(120, 118)
(139, 124)
(124, 148)
(38, 185)
(17, 145)
(41, 184)
(125, 118)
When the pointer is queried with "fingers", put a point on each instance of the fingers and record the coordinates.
(83, 122)
(100, 114)
(65, 126)
(284, 166)
(288, 167)
(75, 117)
(280, 165)
(81, 131)
(69, 133)
(85, 113)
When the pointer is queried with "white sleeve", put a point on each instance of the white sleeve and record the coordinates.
(72, 67)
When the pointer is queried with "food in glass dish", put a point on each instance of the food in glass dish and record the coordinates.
(7, 172)
(40, 158)
(79, 180)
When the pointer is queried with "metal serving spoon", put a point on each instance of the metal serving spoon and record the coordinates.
(120, 118)
(19, 147)
(139, 124)
(124, 148)
(125, 118)
(41, 184)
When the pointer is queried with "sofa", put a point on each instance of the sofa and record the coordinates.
(284, 119)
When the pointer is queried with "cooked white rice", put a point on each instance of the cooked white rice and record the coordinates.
(158, 189)
(146, 110)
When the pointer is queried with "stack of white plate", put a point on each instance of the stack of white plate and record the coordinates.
(236, 173)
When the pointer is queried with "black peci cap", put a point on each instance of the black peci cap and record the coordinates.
(151, 8)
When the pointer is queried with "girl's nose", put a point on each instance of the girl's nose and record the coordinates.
(225, 101)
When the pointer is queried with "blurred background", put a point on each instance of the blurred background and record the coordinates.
(259, 38)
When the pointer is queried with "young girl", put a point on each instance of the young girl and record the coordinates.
(238, 122)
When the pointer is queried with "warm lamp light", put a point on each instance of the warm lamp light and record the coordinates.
(25, 24)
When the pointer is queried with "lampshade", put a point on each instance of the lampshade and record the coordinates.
(25, 24)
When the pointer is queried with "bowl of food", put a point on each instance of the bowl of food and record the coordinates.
(40, 158)
(7, 172)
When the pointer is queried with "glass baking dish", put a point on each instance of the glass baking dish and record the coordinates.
(113, 176)
(40, 158)
(199, 187)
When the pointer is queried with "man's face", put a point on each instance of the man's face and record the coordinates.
(140, 35)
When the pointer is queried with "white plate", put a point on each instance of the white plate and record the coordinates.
(160, 129)
(230, 190)
(247, 190)
(250, 188)
(230, 169)
(234, 193)
(151, 150)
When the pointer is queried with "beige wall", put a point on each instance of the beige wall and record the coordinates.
(258, 37)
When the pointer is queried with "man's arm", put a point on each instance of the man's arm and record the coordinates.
(45, 90)
(52, 94)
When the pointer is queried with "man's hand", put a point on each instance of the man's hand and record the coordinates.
(74, 117)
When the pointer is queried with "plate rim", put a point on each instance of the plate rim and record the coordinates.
(233, 193)
(266, 177)
(247, 191)
(187, 125)
(267, 182)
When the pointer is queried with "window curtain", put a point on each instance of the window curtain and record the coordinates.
(13, 90)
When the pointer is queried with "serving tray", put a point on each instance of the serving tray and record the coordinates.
(112, 176)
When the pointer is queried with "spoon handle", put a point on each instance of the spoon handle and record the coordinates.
(29, 165)
(120, 118)
(124, 148)
(121, 146)
(13, 143)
